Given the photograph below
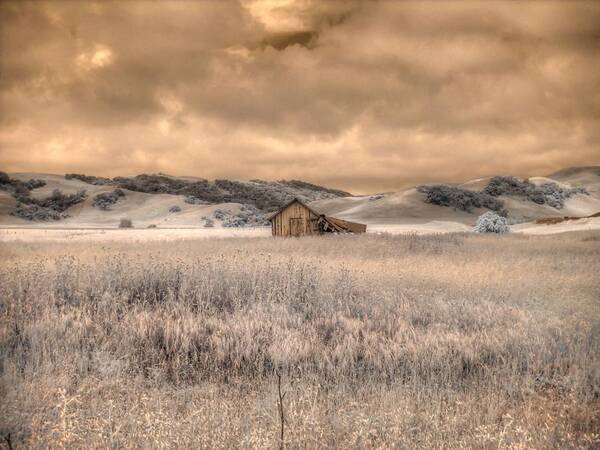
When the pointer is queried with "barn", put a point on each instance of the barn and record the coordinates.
(298, 219)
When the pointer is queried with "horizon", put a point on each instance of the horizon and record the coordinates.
(359, 96)
(354, 193)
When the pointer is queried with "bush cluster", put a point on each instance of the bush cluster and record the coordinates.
(50, 208)
(194, 200)
(89, 179)
(490, 222)
(106, 199)
(125, 223)
(248, 216)
(550, 194)
(29, 208)
(35, 183)
(298, 184)
(61, 202)
(18, 188)
(151, 184)
(37, 213)
(264, 195)
(460, 199)
(272, 195)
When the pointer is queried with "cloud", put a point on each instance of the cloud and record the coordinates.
(365, 96)
(95, 58)
(281, 41)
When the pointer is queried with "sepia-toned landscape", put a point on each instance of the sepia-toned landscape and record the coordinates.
(299, 224)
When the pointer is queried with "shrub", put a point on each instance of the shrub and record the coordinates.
(194, 200)
(298, 184)
(174, 209)
(50, 208)
(37, 213)
(506, 186)
(4, 178)
(106, 199)
(220, 214)
(490, 222)
(35, 183)
(89, 179)
(151, 184)
(125, 223)
(460, 199)
(18, 188)
(234, 222)
(550, 194)
(61, 202)
(248, 216)
(556, 195)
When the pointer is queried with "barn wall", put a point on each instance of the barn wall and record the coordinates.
(281, 222)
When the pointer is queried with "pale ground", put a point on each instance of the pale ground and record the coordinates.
(141, 235)
(169, 234)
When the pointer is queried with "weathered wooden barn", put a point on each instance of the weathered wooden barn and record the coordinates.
(298, 219)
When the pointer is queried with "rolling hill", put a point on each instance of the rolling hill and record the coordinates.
(189, 202)
(160, 200)
(408, 206)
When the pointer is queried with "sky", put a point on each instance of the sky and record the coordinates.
(366, 96)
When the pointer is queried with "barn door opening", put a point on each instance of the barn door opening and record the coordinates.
(296, 227)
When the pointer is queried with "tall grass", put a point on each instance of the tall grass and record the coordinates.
(432, 342)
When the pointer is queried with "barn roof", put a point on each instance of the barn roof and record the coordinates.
(295, 199)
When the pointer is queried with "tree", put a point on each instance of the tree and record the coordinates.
(490, 222)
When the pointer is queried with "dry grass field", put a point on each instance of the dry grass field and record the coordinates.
(453, 341)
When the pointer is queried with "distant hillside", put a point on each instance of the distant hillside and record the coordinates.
(572, 172)
(580, 176)
(85, 201)
(571, 192)
(77, 200)
(264, 195)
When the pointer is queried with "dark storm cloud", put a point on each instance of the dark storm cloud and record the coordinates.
(281, 41)
(367, 96)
